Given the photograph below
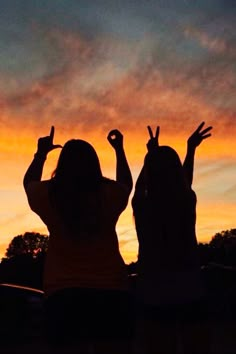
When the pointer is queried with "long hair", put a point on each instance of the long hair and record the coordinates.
(162, 197)
(75, 188)
(164, 175)
(164, 212)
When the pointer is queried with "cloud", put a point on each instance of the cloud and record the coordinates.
(230, 193)
(216, 168)
(212, 43)
(101, 81)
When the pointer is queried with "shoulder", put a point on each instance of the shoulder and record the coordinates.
(36, 187)
(193, 196)
(140, 199)
(115, 187)
(191, 203)
(37, 194)
(117, 192)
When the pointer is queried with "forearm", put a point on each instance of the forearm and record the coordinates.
(123, 173)
(140, 185)
(189, 164)
(35, 170)
(140, 189)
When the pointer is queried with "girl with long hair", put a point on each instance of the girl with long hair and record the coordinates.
(85, 280)
(169, 287)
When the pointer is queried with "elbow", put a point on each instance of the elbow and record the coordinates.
(130, 187)
(25, 182)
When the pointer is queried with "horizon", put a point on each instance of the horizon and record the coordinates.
(89, 67)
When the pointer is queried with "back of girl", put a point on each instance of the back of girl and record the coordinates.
(169, 286)
(85, 277)
(165, 216)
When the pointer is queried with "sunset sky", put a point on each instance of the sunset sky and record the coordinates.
(87, 67)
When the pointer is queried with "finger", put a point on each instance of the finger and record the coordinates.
(206, 130)
(150, 131)
(113, 132)
(206, 136)
(110, 136)
(52, 133)
(56, 147)
(200, 127)
(157, 132)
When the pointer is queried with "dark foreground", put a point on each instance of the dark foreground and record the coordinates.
(22, 322)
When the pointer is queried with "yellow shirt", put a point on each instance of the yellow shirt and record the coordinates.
(82, 261)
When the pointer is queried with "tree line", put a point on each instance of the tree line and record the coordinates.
(24, 260)
(25, 255)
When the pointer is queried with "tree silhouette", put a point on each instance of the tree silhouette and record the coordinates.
(223, 246)
(205, 253)
(31, 243)
(226, 236)
(24, 260)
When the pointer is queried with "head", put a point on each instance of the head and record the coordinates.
(78, 160)
(164, 171)
(165, 212)
(75, 186)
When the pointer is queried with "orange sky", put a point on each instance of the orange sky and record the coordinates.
(214, 179)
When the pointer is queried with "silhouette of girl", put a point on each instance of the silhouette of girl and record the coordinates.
(85, 279)
(164, 208)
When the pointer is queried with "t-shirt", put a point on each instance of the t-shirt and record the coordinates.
(87, 261)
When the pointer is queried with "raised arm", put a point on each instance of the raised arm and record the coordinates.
(193, 142)
(123, 173)
(34, 171)
(140, 184)
(152, 145)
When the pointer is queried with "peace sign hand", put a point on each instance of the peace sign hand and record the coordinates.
(153, 141)
(45, 144)
(198, 136)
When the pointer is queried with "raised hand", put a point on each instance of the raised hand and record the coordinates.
(115, 138)
(193, 141)
(45, 144)
(198, 136)
(153, 141)
(123, 174)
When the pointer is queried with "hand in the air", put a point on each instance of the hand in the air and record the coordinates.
(198, 136)
(115, 138)
(45, 144)
(153, 141)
